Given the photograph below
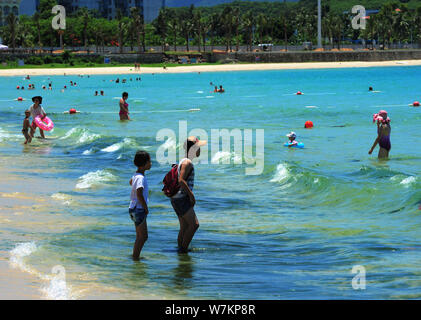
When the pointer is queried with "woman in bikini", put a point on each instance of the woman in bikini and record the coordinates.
(124, 107)
(383, 134)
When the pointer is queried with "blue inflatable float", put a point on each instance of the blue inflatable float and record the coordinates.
(299, 145)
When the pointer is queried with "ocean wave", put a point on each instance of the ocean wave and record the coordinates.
(57, 287)
(95, 178)
(127, 142)
(409, 180)
(18, 255)
(81, 135)
(226, 158)
(281, 174)
(64, 198)
(7, 136)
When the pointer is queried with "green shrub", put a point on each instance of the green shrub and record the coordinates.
(34, 60)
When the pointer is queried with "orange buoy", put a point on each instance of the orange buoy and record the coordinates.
(299, 93)
(416, 104)
(308, 125)
(20, 99)
(71, 111)
(17, 87)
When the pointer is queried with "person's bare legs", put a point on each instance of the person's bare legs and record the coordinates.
(183, 227)
(41, 133)
(190, 219)
(383, 153)
(141, 237)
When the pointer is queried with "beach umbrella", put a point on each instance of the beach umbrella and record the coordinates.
(3, 47)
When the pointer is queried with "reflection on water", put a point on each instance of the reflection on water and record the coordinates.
(183, 273)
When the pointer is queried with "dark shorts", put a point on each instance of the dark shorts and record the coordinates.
(138, 215)
(181, 205)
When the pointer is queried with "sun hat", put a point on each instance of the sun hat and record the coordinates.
(37, 97)
(291, 135)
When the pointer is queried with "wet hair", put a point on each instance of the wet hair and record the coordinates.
(141, 158)
(27, 111)
(125, 94)
(189, 144)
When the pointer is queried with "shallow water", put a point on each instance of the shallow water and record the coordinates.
(293, 232)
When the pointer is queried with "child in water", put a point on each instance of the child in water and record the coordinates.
(292, 142)
(138, 208)
(26, 126)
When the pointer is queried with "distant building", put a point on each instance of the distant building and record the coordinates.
(7, 7)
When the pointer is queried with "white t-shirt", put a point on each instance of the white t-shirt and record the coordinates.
(138, 181)
(36, 111)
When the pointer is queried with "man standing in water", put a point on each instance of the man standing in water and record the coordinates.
(183, 201)
(383, 134)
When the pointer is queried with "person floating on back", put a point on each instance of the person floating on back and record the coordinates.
(383, 134)
(138, 208)
(26, 126)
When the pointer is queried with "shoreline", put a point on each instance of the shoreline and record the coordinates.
(207, 68)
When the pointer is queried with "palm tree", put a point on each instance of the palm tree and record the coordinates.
(206, 28)
(12, 25)
(137, 22)
(161, 27)
(36, 18)
(85, 16)
(226, 19)
(186, 27)
(236, 25)
(261, 26)
(214, 24)
(121, 29)
(197, 23)
(173, 26)
(248, 25)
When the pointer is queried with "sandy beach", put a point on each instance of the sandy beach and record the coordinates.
(207, 68)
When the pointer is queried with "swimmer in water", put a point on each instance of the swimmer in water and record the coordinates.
(383, 134)
(292, 142)
(96, 93)
(370, 89)
(221, 90)
(124, 107)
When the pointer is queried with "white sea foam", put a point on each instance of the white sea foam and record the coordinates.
(409, 180)
(281, 173)
(118, 146)
(83, 135)
(18, 254)
(88, 152)
(94, 178)
(65, 198)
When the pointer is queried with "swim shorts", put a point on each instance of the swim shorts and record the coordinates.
(181, 205)
(138, 215)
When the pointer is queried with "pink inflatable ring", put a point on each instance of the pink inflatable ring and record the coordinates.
(44, 124)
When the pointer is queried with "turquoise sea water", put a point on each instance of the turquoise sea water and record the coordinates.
(293, 232)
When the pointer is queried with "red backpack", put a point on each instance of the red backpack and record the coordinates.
(171, 186)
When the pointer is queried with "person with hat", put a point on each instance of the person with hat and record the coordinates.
(36, 110)
(184, 200)
(383, 134)
(292, 142)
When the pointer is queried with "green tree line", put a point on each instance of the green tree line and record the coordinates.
(230, 25)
